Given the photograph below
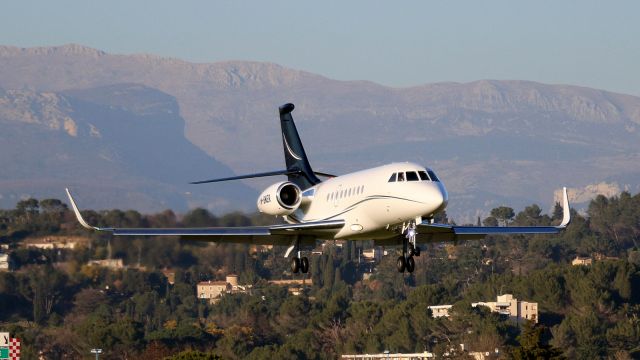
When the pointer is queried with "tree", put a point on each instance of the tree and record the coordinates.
(29, 206)
(237, 342)
(557, 212)
(199, 218)
(52, 206)
(531, 345)
(194, 355)
(43, 286)
(530, 216)
(503, 213)
(490, 221)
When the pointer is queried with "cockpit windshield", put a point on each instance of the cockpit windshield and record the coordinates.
(432, 175)
(421, 175)
(412, 176)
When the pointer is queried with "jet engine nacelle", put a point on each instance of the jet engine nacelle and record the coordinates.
(281, 198)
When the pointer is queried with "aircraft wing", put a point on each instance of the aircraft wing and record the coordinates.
(281, 234)
(427, 232)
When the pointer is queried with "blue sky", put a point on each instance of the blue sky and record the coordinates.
(589, 43)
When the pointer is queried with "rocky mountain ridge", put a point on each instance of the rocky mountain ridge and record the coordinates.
(492, 141)
(98, 141)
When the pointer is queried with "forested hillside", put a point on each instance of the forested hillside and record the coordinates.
(63, 307)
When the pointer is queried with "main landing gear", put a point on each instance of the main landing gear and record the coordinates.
(409, 250)
(299, 264)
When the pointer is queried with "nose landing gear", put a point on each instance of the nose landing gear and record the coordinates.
(407, 262)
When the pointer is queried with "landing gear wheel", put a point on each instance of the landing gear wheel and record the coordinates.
(295, 265)
(416, 252)
(401, 264)
(304, 265)
(412, 249)
(411, 264)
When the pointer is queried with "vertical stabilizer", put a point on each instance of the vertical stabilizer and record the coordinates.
(294, 155)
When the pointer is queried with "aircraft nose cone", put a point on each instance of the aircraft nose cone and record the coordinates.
(435, 199)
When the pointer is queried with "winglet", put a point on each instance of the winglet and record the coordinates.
(566, 212)
(78, 215)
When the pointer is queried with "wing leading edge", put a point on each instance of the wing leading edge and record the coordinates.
(282, 234)
(443, 232)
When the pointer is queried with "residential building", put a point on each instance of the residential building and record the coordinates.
(586, 261)
(108, 263)
(440, 310)
(214, 290)
(516, 310)
(294, 286)
(505, 305)
(287, 282)
(390, 356)
(5, 262)
(55, 242)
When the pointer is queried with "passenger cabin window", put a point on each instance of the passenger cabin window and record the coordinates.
(432, 175)
(400, 176)
(392, 178)
(412, 176)
(423, 175)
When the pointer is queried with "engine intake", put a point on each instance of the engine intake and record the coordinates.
(280, 199)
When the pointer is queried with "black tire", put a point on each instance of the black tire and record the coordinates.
(417, 251)
(411, 264)
(401, 264)
(295, 265)
(304, 265)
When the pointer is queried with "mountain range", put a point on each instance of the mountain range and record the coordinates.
(492, 142)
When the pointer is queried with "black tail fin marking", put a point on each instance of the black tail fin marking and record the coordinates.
(294, 155)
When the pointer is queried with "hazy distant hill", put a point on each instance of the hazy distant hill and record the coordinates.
(491, 141)
(111, 145)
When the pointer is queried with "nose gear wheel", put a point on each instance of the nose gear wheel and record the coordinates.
(409, 249)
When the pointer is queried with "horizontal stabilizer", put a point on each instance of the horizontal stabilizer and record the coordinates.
(324, 174)
(264, 174)
(249, 176)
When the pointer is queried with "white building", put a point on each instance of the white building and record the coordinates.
(516, 310)
(214, 290)
(5, 262)
(391, 356)
(108, 263)
(505, 304)
(586, 261)
(440, 310)
(55, 242)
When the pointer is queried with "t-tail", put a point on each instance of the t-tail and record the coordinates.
(298, 170)
(294, 155)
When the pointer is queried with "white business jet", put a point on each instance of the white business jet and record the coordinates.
(393, 204)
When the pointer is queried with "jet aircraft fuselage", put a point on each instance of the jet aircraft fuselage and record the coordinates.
(371, 201)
